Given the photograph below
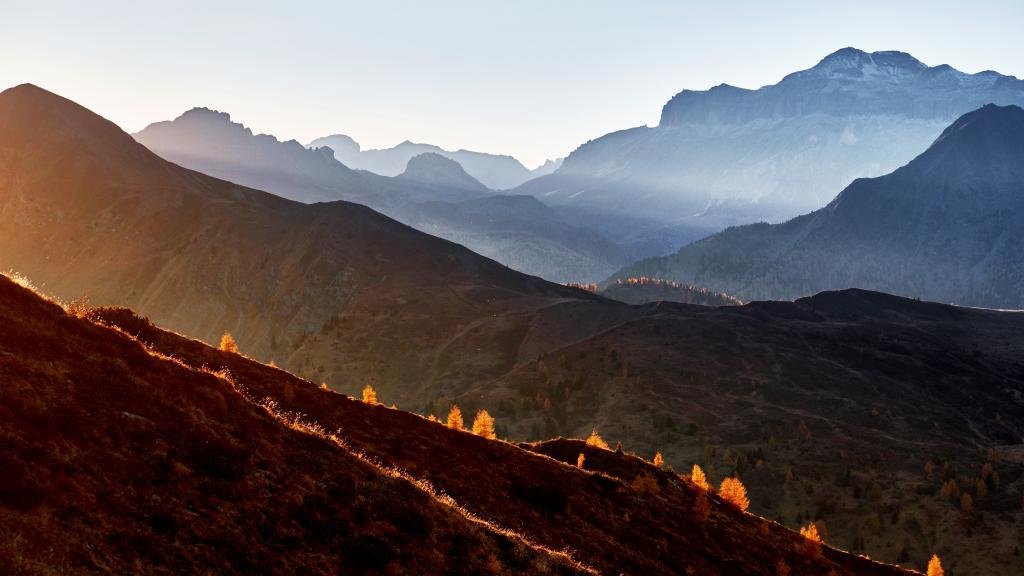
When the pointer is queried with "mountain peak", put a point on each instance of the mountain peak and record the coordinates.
(434, 169)
(343, 144)
(853, 63)
(201, 112)
(986, 144)
(31, 116)
(987, 121)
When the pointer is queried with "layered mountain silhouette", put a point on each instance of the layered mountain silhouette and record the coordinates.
(89, 211)
(497, 172)
(210, 142)
(811, 402)
(548, 246)
(948, 226)
(130, 449)
(729, 155)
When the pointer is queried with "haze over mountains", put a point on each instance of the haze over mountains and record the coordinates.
(815, 402)
(729, 155)
(497, 172)
(426, 194)
(948, 226)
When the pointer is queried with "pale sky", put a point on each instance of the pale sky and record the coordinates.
(533, 78)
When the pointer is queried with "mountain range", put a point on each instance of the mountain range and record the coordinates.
(497, 172)
(426, 194)
(853, 408)
(730, 155)
(948, 226)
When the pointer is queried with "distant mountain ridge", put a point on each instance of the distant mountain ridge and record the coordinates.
(729, 155)
(948, 226)
(210, 142)
(496, 171)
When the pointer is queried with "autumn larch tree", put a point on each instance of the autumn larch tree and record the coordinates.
(935, 566)
(369, 395)
(699, 479)
(455, 418)
(734, 492)
(227, 343)
(483, 425)
(659, 460)
(812, 539)
(580, 460)
(595, 440)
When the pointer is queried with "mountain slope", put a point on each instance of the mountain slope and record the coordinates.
(497, 172)
(852, 408)
(947, 227)
(120, 460)
(730, 155)
(211, 143)
(629, 518)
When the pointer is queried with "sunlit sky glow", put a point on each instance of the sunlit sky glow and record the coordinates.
(531, 78)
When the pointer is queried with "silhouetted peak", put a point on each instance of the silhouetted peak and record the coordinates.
(341, 143)
(30, 115)
(433, 168)
(204, 113)
(432, 163)
(991, 127)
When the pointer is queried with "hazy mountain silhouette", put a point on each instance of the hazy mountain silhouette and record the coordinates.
(498, 172)
(211, 143)
(434, 170)
(948, 226)
(729, 155)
